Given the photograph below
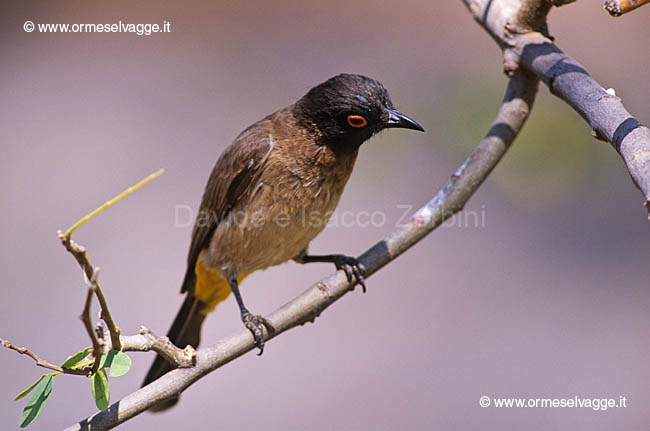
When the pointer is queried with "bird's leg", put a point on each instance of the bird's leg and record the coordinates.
(254, 323)
(350, 265)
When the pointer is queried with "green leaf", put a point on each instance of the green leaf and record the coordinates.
(121, 364)
(118, 362)
(74, 359)
(24, 393)
(100, 390)
(37, 402)
(106, 359)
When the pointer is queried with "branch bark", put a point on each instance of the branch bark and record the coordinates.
(42, 362)
(147, 340)
(619, 7)
(97, 343)
(143, 342)
(525, 46)
(90, 272)
(514, 110)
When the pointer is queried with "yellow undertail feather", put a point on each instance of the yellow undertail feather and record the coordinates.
(211, 288)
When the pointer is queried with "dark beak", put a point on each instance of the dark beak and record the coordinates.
(399, 120)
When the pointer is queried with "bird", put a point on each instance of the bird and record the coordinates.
(268, 196)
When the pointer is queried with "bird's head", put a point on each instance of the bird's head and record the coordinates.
(346, 110)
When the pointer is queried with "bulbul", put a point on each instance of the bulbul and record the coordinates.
(270, 193)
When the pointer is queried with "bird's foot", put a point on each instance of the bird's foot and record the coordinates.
(353, 269)
(256, 325)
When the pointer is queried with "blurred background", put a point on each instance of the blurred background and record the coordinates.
(540, 290)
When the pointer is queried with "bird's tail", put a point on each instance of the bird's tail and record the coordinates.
(205, 289)
(185, 330)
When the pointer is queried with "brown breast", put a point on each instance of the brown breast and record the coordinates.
(299, 188)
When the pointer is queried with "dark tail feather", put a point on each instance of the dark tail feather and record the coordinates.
(185, 330)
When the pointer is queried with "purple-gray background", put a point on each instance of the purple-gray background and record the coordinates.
(547, 298)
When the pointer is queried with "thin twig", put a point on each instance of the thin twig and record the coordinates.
(90, 272)
(514, 110)
(147, 340)
(113, 201)
(619, 7)
(81, 257)
(42, 362)
(106, 316)
(98, 345)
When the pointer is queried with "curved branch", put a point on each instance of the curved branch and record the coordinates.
(80, 255)
(514, 110)
(567, 80)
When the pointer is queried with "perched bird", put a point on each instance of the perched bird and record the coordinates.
(270, 193)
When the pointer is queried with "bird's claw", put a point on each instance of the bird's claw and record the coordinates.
(354, 270)
(256, 325)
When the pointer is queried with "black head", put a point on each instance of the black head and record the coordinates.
(346, 110)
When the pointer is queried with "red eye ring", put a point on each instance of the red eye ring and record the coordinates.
(357, 121)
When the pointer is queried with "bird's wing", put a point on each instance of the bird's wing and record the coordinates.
(234, 174)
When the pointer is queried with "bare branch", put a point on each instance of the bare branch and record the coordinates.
(98, 344)
(569, 81)
(43, 363)
(143, 342)
(90, 272)
(514, 110)
(147, 340)
(81, 256)
(619, 7)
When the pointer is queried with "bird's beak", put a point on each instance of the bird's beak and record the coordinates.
(399, 120)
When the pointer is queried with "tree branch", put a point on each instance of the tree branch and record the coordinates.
(143, 342)
(514, 110)
(90, 272)
(102, 341)
(568, 80)
(42, 362)
(98, 344)
(619, 7)
(147, 340)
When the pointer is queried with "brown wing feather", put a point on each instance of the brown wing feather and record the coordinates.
(233, 174)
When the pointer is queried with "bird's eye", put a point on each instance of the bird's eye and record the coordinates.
(357, 121)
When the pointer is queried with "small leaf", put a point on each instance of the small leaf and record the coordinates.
(74, 359)
(121, 364)
(37, 402)
(118, 362)
(107, 359)
(24, 393)
(100, 390)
